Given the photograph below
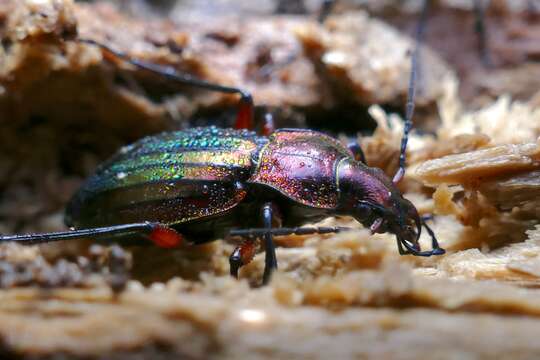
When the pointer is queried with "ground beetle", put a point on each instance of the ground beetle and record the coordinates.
(206, 183)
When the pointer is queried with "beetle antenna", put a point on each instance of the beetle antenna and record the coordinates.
(326, 10)
(244, 119)
(409, 110)
(481, 33)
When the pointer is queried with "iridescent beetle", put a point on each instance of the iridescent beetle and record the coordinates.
(205, 183)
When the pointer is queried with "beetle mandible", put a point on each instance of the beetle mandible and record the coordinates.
(206, 183)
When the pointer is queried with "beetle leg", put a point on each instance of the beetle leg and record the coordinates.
(244, 117)
(436, 249)
(242, 255)
(400, 248)
(245, 252)
(424, 253)
(410, 251)
(270, 260)
(304, 230)
(160, 234)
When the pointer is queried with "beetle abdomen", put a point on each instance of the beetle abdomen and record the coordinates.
(170, 178)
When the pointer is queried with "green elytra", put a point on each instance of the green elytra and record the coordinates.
(170, 178)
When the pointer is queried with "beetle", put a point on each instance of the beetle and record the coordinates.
(204, 183)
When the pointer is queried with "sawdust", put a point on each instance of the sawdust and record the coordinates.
(347, 295)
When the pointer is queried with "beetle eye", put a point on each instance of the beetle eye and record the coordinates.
(363, 208)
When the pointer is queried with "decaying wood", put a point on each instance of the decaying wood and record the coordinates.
(335, 296)
(352, 52)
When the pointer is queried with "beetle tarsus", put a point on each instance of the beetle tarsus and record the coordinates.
(410, 250)
(437, 250)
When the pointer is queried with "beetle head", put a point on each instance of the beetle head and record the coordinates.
(371, 198)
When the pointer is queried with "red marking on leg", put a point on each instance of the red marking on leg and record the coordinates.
(244, 117)
(166, 237)
(109, 57)
(247, 251)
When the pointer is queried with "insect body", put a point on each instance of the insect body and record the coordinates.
(205, 183)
